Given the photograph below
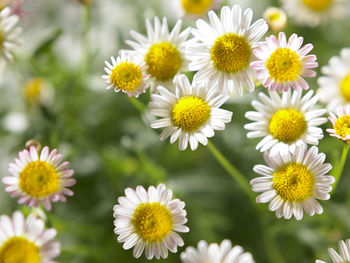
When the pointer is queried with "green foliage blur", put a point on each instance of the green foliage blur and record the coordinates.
(111, 146)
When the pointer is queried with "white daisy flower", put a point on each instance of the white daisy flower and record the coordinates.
(126, 74)
(163, 52)
(291, 182)
(8, 34)
(191, 113)
(194, 8)
(149, 220)
(341, 123)
(285, 121)
(276, 18)
(214, 253)
(335, 84)
(224, 51)
(344, 253)
(37, 179)
(281, 64)
(313, 12)
(26, 240)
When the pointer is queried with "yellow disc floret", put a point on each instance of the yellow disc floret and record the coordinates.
(345, 87)
(287, 125)
(196, 7)
(318, 5)
(163, 60)
(33, 89)
(39, 179)
(231, 53)
(342, 126)
(126, 76)
(293, 182)
(19, 250)
(190, 113)
(152, 222)
(284, 64)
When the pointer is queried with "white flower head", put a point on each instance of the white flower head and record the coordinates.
(214, 253)
(191, 113)
(148, 221)
(285, 121)
(26, 240)
(282, 64)
(39, 179)
(223, 50)
(344, 253)
(335, 84)
(127, 73)
(194, 8)
(292, 182)
(276, 18)
(162, 52)
(313, 12)
(341, 123)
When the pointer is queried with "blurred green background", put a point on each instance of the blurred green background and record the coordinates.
(111, 146)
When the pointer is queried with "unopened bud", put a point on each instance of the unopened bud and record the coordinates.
(276, 18)
(33, 143)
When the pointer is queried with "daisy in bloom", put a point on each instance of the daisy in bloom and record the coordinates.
(335, 84)
(163, 52)
(285, 121)
(194, 8)
(26, 240)
(276, 18)
(344, 253)
(282, 64)
(127, 73)
(40, 178)
(313, 12)
(223, 50)
(8, 34)
(291, 182)
(214, 253)
(341, 123)
(191, 113)
(148, 221)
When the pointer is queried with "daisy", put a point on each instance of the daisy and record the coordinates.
(163, 52)
(126, 74)
(313, 12)
(191, 113)
(281, 65)
(341, 123)
(291, 182)
(276, 18)
(344, 253)
(8, 34)
(149, 220)
(194, 8)
(335, 84)
(26, 240)
(214, 253)
(37, 179)
(285, 121)
(223, 51)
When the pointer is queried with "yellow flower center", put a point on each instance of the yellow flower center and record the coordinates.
(342, 126)
(190, 113)
(163, 60)
(293, 182)
(39, 179)
(287, 125)
(284, 64)
(19, 250)
(231, 53)
(318, 5)
(196, 7)
(32, 90)
(274, 16)
(126, 76)
(345, 87)
(152, 222)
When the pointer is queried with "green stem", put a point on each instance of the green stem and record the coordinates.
(340, 166)
(138, 104)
